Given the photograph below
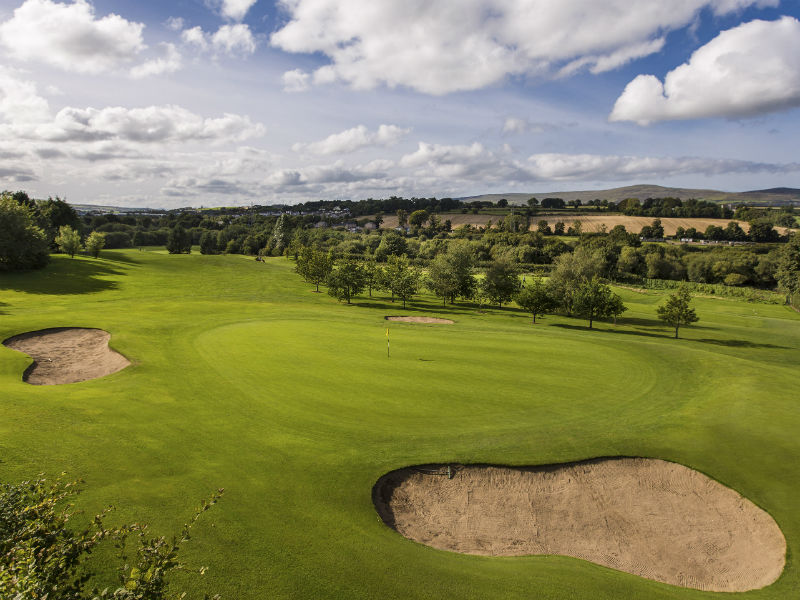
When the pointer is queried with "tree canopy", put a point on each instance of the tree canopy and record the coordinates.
(346, 280)
(68, 240)
(23, 245)
(677, 310)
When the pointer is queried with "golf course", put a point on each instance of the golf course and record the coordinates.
(242, 378)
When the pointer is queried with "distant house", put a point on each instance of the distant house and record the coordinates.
(369, 226)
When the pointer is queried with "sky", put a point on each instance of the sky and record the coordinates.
(237, 102)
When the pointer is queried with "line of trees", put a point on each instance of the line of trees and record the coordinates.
(575, 286)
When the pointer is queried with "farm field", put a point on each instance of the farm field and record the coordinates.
(243, 378)
(592, 223)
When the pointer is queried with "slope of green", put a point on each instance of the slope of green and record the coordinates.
(246, 380)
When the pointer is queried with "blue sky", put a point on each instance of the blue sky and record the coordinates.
(210, 102)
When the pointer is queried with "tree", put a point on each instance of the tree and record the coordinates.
(570, 271)
(762, 231)
(787, 273)
(95, 242)
(676, 311)
(41, 557)
(418, 218)
(53, 214)
(346, 281)
(378, 220)
(179, 241)
(392, 244)
(559, 228)
(314, 266)
(372, 275)
(450, 274)
(401, 279)
(402, 218)
(535, 298)
(543, 227)
(23, 245)
(533, 202)
(441, 279)
(208, 243)
(68, 240)
(501, 281)
(595, 300)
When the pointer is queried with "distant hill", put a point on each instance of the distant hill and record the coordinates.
(774, 196)
(84, 208)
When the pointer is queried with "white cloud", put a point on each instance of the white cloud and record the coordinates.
(461, 163)
(230, 39)
(354, 139)
(296, 81)
(234, 38)
(27, 116)
(169, 62)
(19, 100)
(175, 23)
(235, 9)
(593, 167)
(195, 36)
(68, 36)
(442, 47)
(748, 70)
(145, 125)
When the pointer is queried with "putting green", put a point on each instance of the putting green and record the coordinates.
(244, 379)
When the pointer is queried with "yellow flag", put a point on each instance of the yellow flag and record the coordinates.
(387, 332)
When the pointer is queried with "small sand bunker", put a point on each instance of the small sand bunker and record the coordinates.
(67, 355)
(652, 518)
(420, 320)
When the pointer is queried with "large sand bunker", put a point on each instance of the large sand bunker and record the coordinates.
(67, 355)
(420, 320)
(648, 517)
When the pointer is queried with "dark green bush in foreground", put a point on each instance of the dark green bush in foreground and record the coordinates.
(42, 559)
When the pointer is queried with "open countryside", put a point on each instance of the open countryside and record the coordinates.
(286, 312)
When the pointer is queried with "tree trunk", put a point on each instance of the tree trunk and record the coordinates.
(676, 331)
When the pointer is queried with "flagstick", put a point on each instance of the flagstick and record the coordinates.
(387, 342)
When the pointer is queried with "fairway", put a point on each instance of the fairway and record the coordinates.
(243, 378)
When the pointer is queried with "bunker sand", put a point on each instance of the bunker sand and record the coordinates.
(67, 355)
(420, 320)
(651, 518)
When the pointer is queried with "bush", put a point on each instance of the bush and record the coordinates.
(23, 245)
(118, 239)
(40, 557)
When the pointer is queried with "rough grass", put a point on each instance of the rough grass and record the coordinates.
(244, 379)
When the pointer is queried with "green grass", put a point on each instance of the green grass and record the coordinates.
(244, 379)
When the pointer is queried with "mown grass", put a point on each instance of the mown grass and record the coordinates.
(245, 379)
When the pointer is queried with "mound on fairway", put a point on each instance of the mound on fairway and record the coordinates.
(67, 355)
(420, 320)
(652, 518)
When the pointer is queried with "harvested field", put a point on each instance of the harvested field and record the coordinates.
(420, 320)
(652, 518)
(67, 355)
(592, 223)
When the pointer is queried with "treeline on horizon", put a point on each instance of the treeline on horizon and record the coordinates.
(625, 257)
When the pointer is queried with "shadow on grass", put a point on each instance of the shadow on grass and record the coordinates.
(742, 344)
(671, 335)
(619, 331)
(121, 257)
(65, 276)
(639, 322)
